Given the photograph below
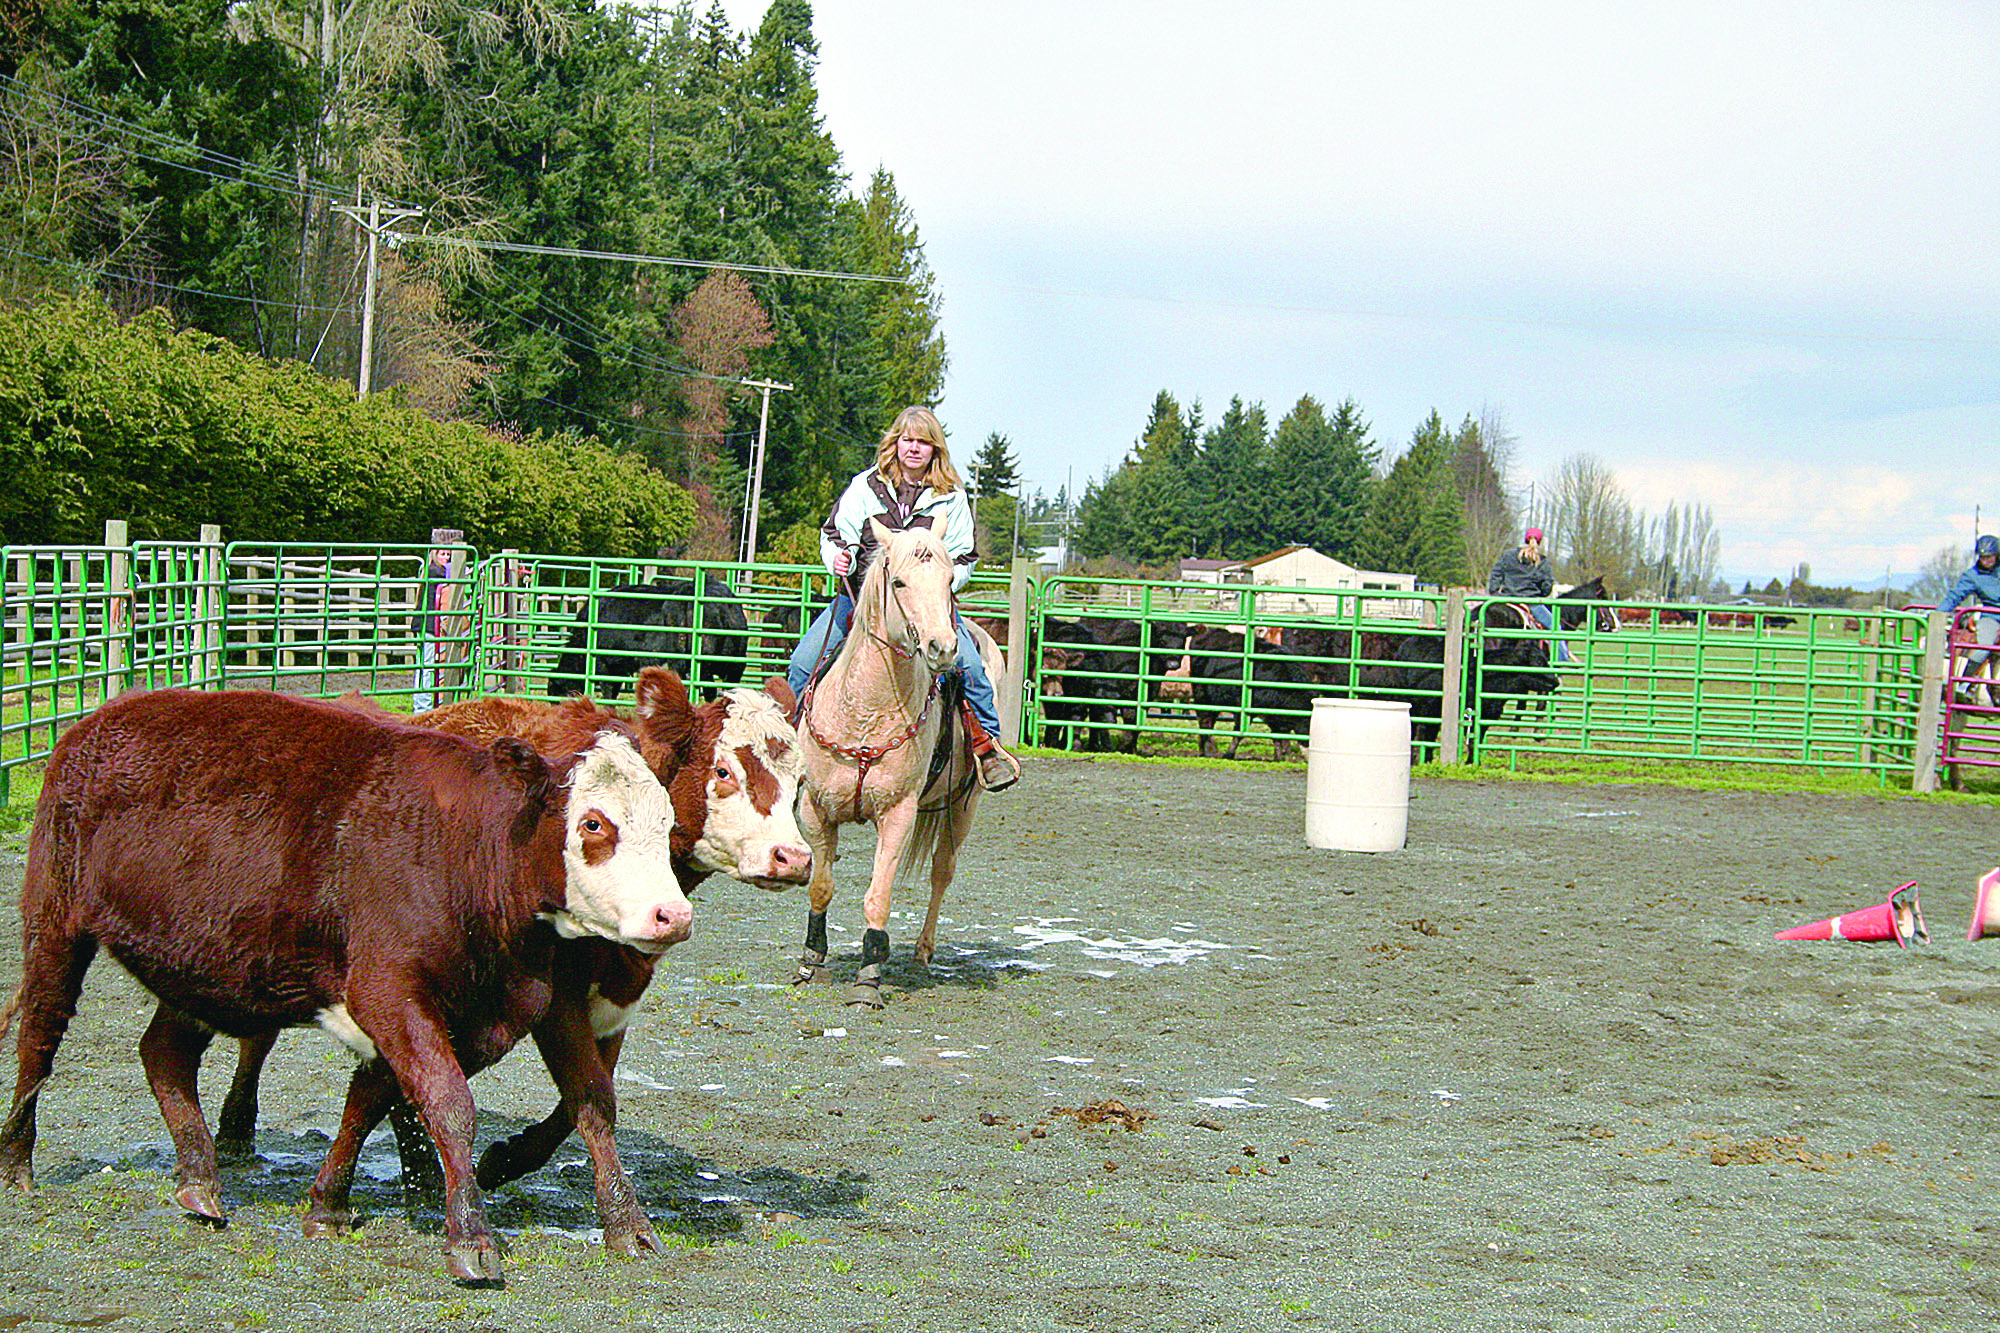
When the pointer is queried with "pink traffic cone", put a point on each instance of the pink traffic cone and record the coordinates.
(1986, 906)
(1900, 919)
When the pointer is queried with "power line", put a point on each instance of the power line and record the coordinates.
(144, 281)
(570, 252)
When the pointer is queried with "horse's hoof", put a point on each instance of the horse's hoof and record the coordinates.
(865, 995)
(812, 968)
(199, 1200)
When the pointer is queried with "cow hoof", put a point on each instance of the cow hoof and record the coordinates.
(475, 1264)
(633, 1242)
(200, 1200)
(865, 995)
(328, 1222)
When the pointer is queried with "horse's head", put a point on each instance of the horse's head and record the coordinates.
(907, 593)
(1590, 590)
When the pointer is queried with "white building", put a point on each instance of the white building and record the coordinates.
(1318, 580)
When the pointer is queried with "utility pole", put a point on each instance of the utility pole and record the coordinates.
(373, 226)
(749, 551)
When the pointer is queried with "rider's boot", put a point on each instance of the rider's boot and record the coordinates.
(998, 770)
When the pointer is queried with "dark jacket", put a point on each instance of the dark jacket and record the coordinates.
(1514, 577)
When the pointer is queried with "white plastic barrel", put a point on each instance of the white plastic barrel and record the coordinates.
(1358, 775)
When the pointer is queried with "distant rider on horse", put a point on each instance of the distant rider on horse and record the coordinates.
(911, 485)
(1980, 584)
(1525, 574)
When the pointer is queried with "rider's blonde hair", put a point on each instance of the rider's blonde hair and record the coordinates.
(941, 476)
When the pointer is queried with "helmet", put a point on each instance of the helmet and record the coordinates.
(1987, 545)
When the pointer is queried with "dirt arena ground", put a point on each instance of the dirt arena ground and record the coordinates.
(1545, 1068)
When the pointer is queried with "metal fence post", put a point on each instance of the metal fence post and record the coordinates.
(1451, 701)
(1014, 674)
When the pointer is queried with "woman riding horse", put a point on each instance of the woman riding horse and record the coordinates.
(911, 485)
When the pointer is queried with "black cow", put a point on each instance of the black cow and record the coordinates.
(1282, 684)
(1089, 662)
(1507, 666)
(647, 624)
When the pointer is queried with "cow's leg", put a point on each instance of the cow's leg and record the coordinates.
(370, 1091)
(530, 1150)
(412, 1038)
(236, 1127)
(51, 980)
(822, 836)
(893, 829)
(581, 1076)
(170, 1049)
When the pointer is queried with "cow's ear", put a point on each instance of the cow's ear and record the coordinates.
(660, 693)
(668, 723)
(520, 761)
(780, 692)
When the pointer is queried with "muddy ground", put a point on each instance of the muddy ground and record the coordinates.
(1544, 1069)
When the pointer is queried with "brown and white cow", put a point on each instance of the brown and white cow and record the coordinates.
(732, 768)
(259, 861)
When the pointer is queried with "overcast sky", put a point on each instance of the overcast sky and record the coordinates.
(1744, 253)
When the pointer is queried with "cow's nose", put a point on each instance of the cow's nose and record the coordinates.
(794, 863)
(672, 923)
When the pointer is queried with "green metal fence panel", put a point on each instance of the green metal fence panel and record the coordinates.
(1228, 687)
(322, 619)
(63, 617)
(556, 625)
(178, 618)
(1789, 685)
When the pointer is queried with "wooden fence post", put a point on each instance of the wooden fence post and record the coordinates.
(1930, 702)
(1451, 702)
(117, 607)
(213, 603)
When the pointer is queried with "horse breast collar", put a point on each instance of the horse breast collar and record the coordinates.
(865, 755)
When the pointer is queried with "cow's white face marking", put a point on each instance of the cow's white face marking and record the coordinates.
(752, 831)
(617, 852)
(340, 1025)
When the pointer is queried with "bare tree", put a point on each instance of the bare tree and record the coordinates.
(1592, 528)
(715, 328)
(1937, 574)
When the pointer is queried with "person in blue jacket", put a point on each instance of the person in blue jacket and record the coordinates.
(1981, 586)
(912, 484)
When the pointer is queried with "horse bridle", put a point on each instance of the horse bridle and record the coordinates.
(865, 756)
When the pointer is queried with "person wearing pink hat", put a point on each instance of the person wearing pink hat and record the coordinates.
(1525, 574)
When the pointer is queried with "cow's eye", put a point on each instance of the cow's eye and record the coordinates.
(593, 826)
(722, 774)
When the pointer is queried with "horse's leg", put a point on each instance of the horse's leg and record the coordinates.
(822, 835)
(893, 830)
(944, 864)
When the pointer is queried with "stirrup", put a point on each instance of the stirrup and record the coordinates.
(998, 770)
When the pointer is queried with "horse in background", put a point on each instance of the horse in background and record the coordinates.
(880, 741)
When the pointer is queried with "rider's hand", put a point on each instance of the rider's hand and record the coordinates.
(842, 563)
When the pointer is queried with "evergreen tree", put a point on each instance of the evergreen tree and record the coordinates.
(1321, 478)
(1416, 525)
(1228, 484)
(994, 470)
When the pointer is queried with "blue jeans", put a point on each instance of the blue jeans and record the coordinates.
(1547, 619)
(828, 631)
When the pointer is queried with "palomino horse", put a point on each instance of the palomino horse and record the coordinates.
(868, 729)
